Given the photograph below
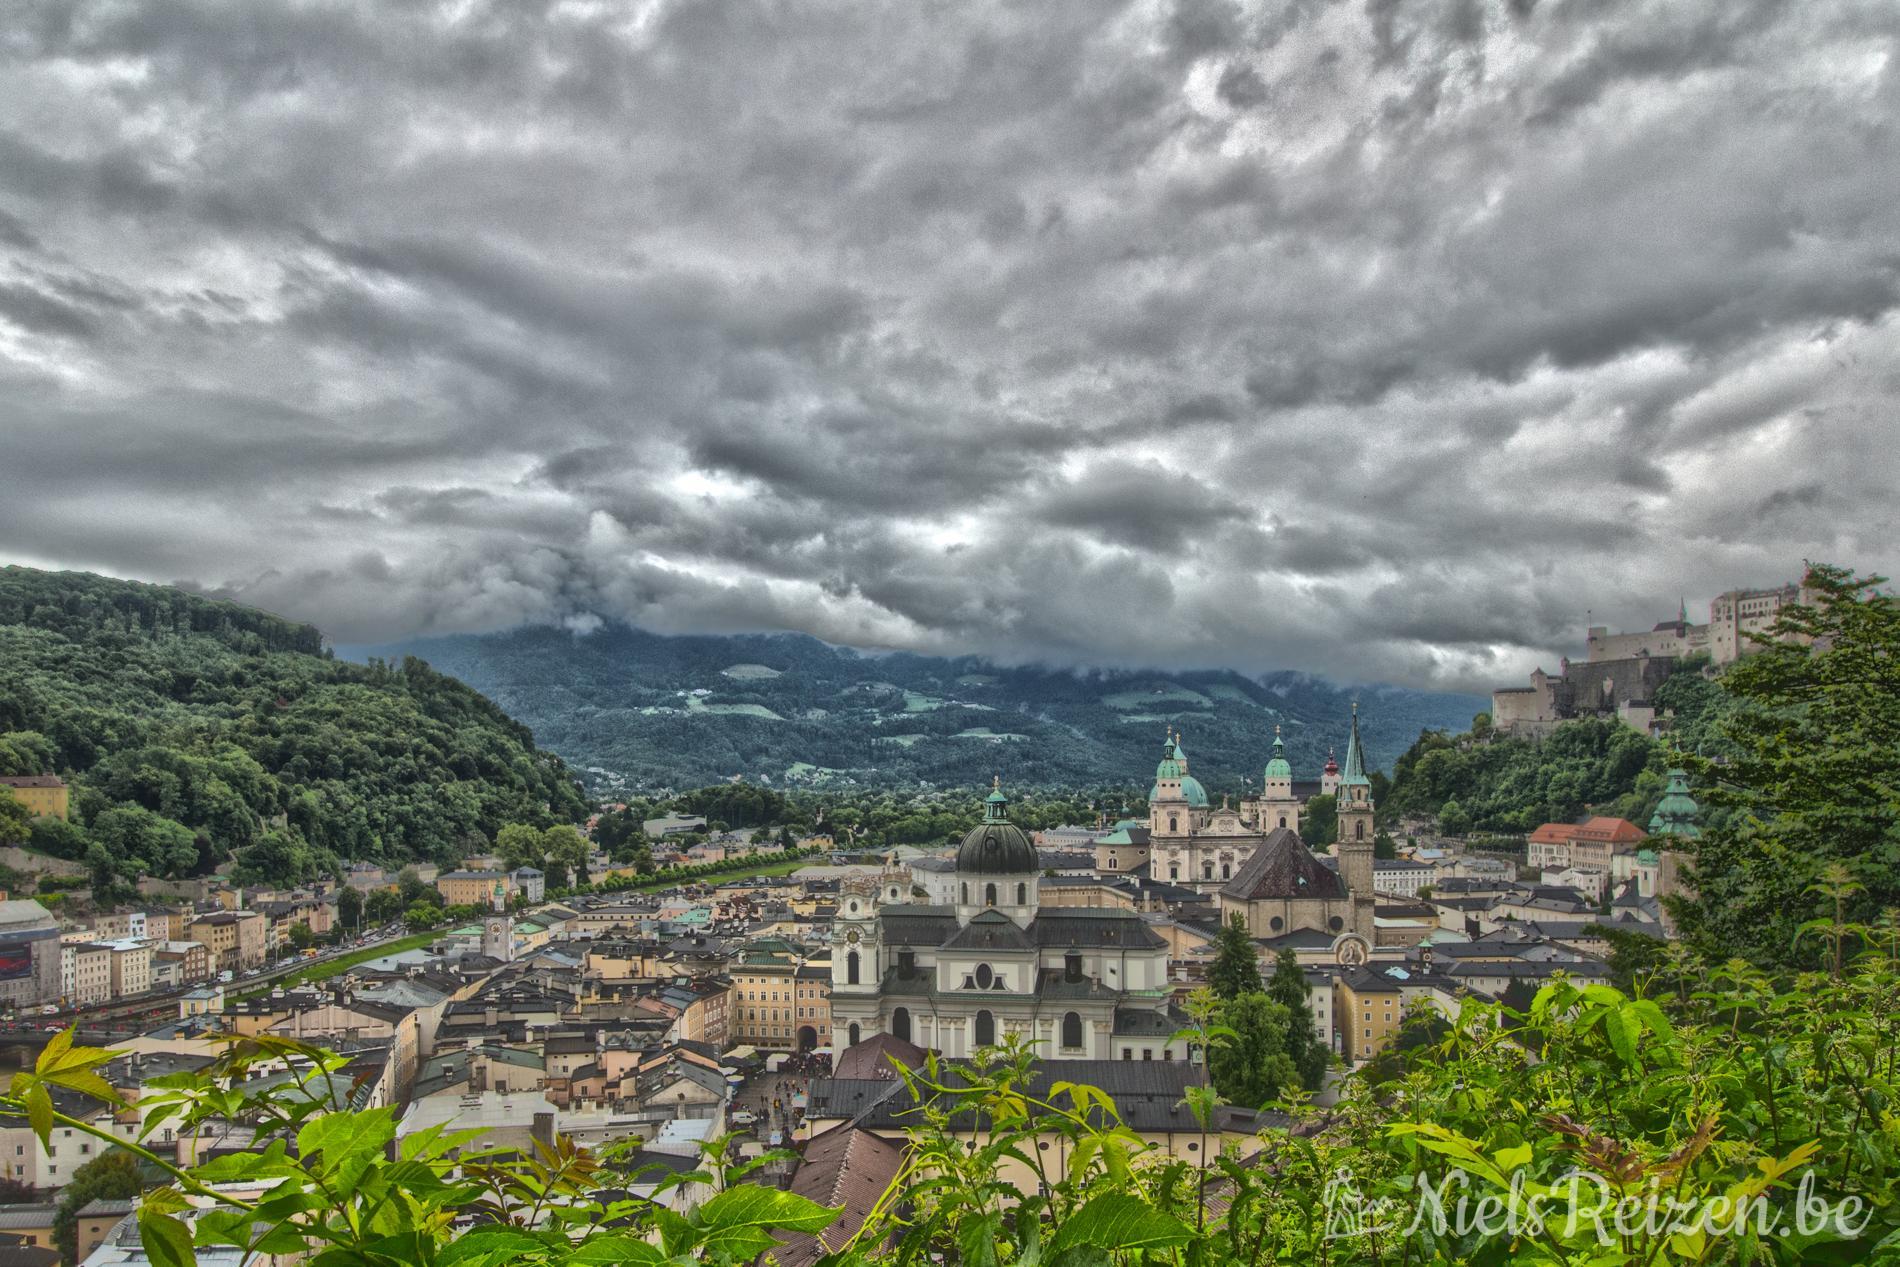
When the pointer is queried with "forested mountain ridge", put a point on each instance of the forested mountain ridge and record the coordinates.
(639, 711)
(195, 730)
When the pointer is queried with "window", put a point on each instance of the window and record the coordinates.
(1283, 820)
(1359, 830)
(1174, 872)
(989, 895)
(984, 977)
(1147, 1053)
(1207, 871)
(1128, 1053)
(854, 1033)
(985, 1029)
(1072, 966)
(1226, 871)
(1022, 895)
(900, 1024)
(1174, 824)
(851, 968)
(1072, 1029)
(966, 893)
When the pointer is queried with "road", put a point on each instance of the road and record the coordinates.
(163, 1005)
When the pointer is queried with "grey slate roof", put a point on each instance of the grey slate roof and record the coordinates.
(992, 930)
(1283, 867)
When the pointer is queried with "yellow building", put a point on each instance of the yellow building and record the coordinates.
(1368, 1009)
(44, 795)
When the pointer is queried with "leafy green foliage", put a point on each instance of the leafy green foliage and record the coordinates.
(1480, 781)
(1236, 967)
(16, 824)
(1712, 1086)
(111, 1176)
(1808, 781)
(196, 731)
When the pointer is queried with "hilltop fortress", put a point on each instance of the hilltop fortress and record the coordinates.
(1621, 671)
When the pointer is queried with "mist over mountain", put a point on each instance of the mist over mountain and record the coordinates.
(637, 710)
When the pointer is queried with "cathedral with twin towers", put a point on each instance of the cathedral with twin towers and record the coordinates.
(980, 957)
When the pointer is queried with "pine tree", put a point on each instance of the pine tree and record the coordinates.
(1236, 967)
(1811, 778)
(1288, 988)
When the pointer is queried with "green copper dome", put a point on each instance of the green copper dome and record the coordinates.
(1174, 765)
(1676, 813)
(1278, 768)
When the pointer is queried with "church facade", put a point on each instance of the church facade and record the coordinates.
(1284, 889)
(1081, 983)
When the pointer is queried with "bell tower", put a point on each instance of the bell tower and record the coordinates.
(1355, 818)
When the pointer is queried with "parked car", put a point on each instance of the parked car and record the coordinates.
(744, 1117)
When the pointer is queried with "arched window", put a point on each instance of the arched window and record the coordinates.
(985, 1029)
(854, 1033)
(1283, 820)
(1359, 830)
(851, 968)
(1226, 871)
(1174, 824)
(1022, 895)
(966, 891)
(900, 1024)
(1072, 1029)
(1072, 966)
(989, 895)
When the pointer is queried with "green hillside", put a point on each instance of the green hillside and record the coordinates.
(634, 711)
(196, 731)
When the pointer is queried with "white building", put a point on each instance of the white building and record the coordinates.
(1082, 983)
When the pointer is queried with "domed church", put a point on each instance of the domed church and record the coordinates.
(1084, 984)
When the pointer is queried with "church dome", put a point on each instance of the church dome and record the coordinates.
(1174, 765)
(1278, 767)
(997, 846)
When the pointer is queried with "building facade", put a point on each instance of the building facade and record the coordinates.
(1079, 983)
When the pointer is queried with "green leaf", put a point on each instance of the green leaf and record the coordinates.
(166, 1239)
(1118, 1221)
(753, 1206)
(604, 1250)
(976, 1239)
(39, 1112)
(486, 1246)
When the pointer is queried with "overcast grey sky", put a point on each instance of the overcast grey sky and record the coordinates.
(1380, 339)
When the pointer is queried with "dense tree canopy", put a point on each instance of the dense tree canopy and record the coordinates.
(196, 731)
(1479, 781)
(1809, 775)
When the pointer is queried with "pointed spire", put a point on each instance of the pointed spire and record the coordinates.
(1355, 770)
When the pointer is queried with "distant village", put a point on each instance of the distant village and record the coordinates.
(780, 1006)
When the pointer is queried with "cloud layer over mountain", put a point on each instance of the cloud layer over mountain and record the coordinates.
(1376, 339)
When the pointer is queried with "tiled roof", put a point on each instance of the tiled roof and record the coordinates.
(1283, 867)
(845, 1167)
(871, 1059)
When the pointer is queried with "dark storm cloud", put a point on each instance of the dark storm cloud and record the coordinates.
(1375, 339)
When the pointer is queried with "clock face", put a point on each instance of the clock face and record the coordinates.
(852, 937)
